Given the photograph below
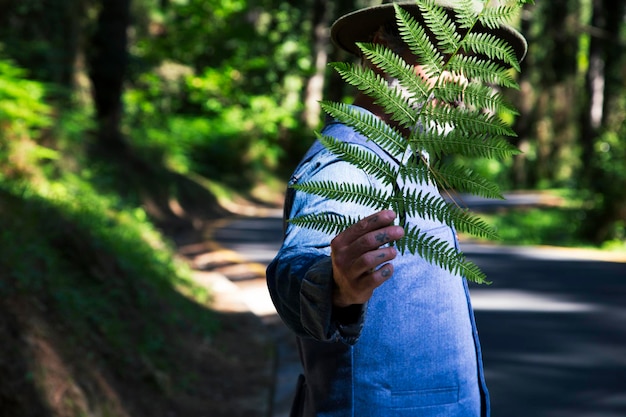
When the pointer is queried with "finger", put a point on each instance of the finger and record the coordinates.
(371, 241)
(381, 275)
(374, 240)
(375, 221)
(370, 261)
(344, 258)
(361, 290)
(372, 280)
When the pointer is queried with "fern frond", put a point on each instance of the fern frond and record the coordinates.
(422, 204)
(488, 147)
(396, 66)
(419, 42)
(361, 158)
(442, 26)
(463, 179)
(395, 104)
(466, 14)
(347, 193)
(370, 126)
(441, 253)
(491, 46)
(473, 95)
(329, 223)
(470, 223)
(430, 206)
(482, 70)
(475, 128)
(465, 121)
(416, 172)
(493, 17)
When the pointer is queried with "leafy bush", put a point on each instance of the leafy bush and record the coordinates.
(23, 114)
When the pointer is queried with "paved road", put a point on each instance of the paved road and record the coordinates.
(552, 325)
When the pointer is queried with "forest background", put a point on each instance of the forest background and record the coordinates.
(128, 125)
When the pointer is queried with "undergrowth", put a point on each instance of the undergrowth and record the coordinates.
(93, 261)
(102, 267)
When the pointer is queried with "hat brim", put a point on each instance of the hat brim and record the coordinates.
(359, 26)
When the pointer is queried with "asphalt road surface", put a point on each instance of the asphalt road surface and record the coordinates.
(552, 325)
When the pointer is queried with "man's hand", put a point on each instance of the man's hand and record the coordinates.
(357, 255)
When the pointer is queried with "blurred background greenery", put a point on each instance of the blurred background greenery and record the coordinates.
(126, 123)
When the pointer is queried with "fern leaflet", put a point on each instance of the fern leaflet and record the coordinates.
(347, 193)
(329, 223)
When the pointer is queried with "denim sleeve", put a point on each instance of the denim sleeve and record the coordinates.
(300, 277)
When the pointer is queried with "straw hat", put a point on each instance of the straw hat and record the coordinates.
(360, 25)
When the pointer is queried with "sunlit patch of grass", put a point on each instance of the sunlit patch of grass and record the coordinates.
(538, 226)
(556, 220)
(102, 268)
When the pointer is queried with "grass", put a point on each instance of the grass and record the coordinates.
(103, 272)
(557, 223)
(97, 300)
(537, 226)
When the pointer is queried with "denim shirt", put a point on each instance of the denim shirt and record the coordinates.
(412, 350)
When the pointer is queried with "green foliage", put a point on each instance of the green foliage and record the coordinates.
(23, 114)
(473, 128)
(216, 86)
(556, 220)
(605, 190)
(539, 226)
(22, 109)
(95, 261)
(101, 266)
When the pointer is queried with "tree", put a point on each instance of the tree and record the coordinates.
(108, 62)
(549, 87)
(603, 123)
(315, 85)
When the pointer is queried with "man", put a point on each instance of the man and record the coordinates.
(377, 338)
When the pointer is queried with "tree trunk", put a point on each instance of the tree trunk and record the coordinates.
(524, 101)
(593, 108)
(108, 61)
(606, 172)
(548, 82)
(336, 88)
(315, 85)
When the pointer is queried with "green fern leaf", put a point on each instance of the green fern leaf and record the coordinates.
(441, 25)
(470, 223)
(368, 125)
(482, 70)
(329, 223)
(441, 253)
(467, 14)
(465, 122)
(474, 96)
(454, 143)
(347, 192)
(472, 272)
(419, 42)
(464, 180)
(397, 67)
(375, 86)
(493, 17)
(416, 171)
(491, 46)
(437, 126)
(361, 158)
(433, 207)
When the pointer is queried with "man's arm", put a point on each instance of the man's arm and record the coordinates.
(319, 283)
